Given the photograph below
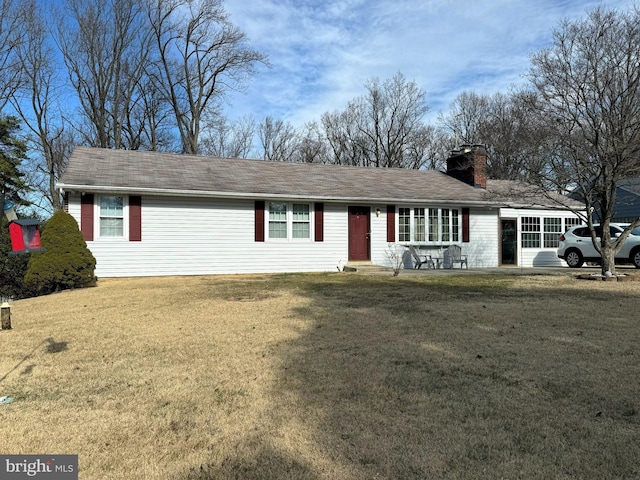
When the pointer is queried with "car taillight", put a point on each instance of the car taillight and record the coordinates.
(562, 239)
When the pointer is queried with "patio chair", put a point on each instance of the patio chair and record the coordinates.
(420, 259)
(453, 255)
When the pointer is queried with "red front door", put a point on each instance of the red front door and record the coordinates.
(359, 233)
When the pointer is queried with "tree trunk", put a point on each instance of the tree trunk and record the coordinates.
(608, 260)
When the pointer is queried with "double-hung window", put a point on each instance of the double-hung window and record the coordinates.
(418, 225)
(530, 232)
(277, 220)
(552, 231)
(301, 221)
(289, 220)
(544, 232)
(404, 224)
(111, 216)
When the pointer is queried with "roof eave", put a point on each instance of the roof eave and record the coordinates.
(261, 196)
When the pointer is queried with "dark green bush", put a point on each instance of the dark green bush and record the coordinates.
(66, 263)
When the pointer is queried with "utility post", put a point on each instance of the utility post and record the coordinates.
(5, 316)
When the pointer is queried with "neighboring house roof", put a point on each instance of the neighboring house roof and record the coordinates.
(126, 171)
(519, 194)
(631, 185)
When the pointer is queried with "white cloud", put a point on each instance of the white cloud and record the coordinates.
(323, 52)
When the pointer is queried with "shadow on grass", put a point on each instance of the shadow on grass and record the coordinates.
(52, 347)
(404, 379)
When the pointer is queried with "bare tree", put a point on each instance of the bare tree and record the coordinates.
(313, 147)
(149, 124)
(380, 128)
(507, 124)
(201, 55)
(11, 37)
(464, 120)
(344, 139)
(428, 148)
(232, 140)
(35, 102)
(105, 45)
(589, 83)
(279, 140)
(391, 113)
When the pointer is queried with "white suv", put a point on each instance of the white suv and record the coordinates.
(576, 247)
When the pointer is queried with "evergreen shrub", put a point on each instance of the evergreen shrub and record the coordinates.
(66, 263)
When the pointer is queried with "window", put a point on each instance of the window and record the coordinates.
(428, 225)
(530, 232)
(289, 220)
(446, 225)
(301, 221)
(552, 231)
(277, 220)
(404, 224)
(418, 222)
(455, 225)
(111, 216)
(545, 232)
(433, 225)
(570, 222)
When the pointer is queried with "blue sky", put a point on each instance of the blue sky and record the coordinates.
(322, 52)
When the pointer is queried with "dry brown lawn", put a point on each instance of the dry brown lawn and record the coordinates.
(329, 376)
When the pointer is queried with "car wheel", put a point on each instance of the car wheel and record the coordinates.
(574, 259)
(635, 257)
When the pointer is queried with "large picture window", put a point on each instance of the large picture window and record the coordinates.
(289, 220)
(111, 216)
(428, 225)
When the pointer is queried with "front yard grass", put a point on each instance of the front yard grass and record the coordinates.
(329, 376)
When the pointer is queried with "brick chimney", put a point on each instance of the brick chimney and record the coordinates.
(469, 165)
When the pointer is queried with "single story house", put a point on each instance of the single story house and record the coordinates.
(150, 213)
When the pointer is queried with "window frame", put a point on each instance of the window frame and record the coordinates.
(98, 232)
(426, 225)
(536, 231)
(551, 231)
(530, 232)
(290, 220)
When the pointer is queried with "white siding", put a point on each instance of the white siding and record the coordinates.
(209, 236)
(481, 250)
(183, 236)
(536, 257)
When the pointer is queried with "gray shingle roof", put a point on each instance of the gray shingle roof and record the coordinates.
(519, 194)
(104, 170)
(125, 171)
